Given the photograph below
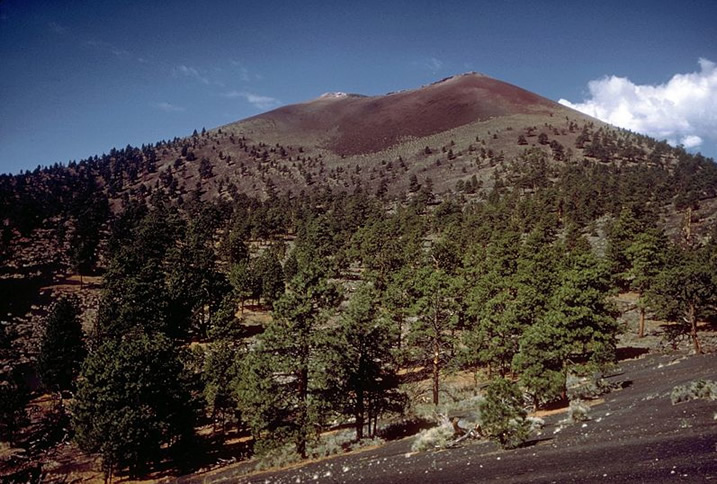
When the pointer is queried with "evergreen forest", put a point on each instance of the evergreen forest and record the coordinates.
(359, 291)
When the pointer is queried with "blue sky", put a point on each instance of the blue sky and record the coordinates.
(80, 77)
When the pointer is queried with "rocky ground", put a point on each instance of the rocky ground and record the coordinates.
(635, 435)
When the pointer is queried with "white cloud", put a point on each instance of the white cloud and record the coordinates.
(691, 141)
(168, 108)
(682, 110)
(432, 64)
(259, 102)
(243, 71)
(192, 73)
(199, 75)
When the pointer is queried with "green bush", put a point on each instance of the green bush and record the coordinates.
(578, 411)
(698, 389)
(434, 438)
(503, 418)
(278, 457)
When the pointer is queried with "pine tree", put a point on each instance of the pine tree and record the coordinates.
(220, 370)
(622, 233)
(62, 348)
(435, 309)
(498, 305)
(579, 324)
(278, 384)
(493, 338)
(363, 380)
(131, 401)
(271, 273)
(646, 258)
(503, 417)
(135, 293)
(14, 393)
(686, 288)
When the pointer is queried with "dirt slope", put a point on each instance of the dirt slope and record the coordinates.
(637, 435)
(353, 124)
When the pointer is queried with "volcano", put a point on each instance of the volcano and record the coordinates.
(352, 124)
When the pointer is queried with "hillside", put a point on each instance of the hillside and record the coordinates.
(635, 434)
(446, 131)
(346, 124)
(450, 131)
(339, 266)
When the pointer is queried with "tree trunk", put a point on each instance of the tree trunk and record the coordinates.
(436, 351)
(436, 369)
(359, 415)
(688, 226)
(692, 316)
(400, 329)
(303, 417)
(641, 330)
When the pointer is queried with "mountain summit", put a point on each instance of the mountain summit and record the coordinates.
(352, 124)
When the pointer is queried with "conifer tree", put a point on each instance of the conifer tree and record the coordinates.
(62, 348)
(363, 381)
(132, 400)
(496, 301)
(645, 257)
(220, 370)
(271, 273)
(579, 324)
(435, 310)
(278, 387)
(502, 414)
(14, 393)
(685, 289)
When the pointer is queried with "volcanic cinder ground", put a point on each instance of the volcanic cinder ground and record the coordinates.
(359, 124)
(636, 435)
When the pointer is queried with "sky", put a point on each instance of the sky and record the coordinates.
(79, 77)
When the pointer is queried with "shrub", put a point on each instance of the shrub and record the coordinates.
(278, 457)
(434, 438)
(340, 442)
(578, 411)
(327, 445)
(536, 423)
(503, 417)
(699, 389)
(586, 387)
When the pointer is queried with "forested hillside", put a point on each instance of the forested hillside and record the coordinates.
(277, 290)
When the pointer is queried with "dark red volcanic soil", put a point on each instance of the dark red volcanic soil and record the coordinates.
(368, 124)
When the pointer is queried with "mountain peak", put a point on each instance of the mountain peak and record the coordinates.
(333, 95)
(454, 77)
(365, 124)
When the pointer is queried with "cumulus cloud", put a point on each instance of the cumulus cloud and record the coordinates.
(168, 108)
(683, 110)
(256, 100)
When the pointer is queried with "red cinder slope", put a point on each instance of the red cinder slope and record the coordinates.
(352, 124)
